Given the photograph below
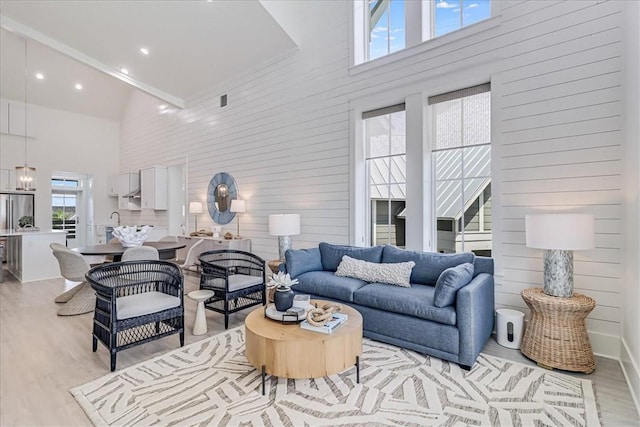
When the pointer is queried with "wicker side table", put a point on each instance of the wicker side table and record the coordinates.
(556, 336)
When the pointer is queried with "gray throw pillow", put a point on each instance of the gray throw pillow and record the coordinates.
(450, 281)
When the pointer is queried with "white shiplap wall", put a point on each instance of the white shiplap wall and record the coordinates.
(557, 102)
(555, 72)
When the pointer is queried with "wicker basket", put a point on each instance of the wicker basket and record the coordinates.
(556, 335)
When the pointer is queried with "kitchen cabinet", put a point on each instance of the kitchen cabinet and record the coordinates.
(12, 118)
(127, 183)
(4, 116)
(7, 179)
(153, 186)
(113, 189)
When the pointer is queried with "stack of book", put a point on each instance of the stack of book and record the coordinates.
(336, 321)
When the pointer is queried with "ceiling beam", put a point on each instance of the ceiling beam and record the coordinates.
(28, 32)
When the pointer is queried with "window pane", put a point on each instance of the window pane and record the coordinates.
(387, 25)
(447, 16)
(378, 135)
(475, 11)
(463, 173)
(386, 167)
(463, 121)
(398, 133)
(448, 164)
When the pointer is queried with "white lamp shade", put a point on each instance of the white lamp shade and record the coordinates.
(284, 224)
(238, 205)
(195, 207)
(560, 231)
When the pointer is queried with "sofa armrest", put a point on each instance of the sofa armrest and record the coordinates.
(475, 315)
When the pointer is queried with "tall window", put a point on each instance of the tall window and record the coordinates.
(386, 170)
(381, 26)
(462, 168)
(63, 205)
(386, 27)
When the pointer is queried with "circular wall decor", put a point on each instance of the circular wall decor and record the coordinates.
(222, 190)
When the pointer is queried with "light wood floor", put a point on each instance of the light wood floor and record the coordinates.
(43, 355)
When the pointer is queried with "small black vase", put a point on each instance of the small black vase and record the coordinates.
(283, 298)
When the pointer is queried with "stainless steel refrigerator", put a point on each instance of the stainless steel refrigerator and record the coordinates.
(14, 206)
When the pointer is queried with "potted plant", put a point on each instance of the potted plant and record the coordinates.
(279, 286)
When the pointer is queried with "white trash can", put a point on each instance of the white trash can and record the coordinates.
(509, 325)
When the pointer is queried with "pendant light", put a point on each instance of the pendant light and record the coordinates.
(25, 175)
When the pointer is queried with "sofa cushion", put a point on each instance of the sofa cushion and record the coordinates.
(331, 255)
(302, 260)
(415, 301)
(449, 282)
(144, 303)
(397, 273)
(429, 265)
(326, 284)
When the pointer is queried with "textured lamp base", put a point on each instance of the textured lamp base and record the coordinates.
(558, 273)
(284, 243)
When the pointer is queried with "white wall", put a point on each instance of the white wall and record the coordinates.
(630, 345)
(557, 88)
(66, 142)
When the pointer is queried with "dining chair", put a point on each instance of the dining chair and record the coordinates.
(171, 239)
(237, 279)
(80, 298)
(58, 247)
(137, 302)
(190, 259)
(113, 240)
(140, 253)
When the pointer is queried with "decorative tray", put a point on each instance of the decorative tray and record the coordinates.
(285, 316)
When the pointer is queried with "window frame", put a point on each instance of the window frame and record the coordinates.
(369, 159)
(418, 37)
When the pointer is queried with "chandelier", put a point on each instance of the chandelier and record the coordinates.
(25, 175)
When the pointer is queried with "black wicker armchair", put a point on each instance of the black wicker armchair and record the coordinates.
(137, 302)
(237, 279)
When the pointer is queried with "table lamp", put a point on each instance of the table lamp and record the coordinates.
(195, 208)
(559, 235)
(238, 206)
(284, 226)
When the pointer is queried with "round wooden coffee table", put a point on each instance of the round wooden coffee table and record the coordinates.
(288, 351)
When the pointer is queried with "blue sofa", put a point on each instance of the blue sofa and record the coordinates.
(407, 316)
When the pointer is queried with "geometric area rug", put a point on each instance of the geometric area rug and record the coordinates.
(210, 382)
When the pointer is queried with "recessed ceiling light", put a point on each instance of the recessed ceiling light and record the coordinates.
(124, 71)
(162, 107)
(144, 51)
(39, 76)
(78, 86)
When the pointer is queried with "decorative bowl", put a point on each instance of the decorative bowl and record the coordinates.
(130, 236)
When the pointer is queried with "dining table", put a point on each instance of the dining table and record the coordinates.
(166, 250)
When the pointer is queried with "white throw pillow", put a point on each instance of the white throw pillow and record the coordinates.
(397, 273)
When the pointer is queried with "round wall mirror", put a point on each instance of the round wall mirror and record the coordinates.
(222, 190)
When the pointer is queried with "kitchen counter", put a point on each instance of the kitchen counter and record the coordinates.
(7, 233)
(28, 254)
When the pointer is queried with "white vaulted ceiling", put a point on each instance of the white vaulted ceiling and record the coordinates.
(193, 45)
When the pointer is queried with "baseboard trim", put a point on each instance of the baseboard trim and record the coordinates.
(631, 372)
(605, 345)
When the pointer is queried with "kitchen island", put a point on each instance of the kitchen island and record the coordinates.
(28, 255)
